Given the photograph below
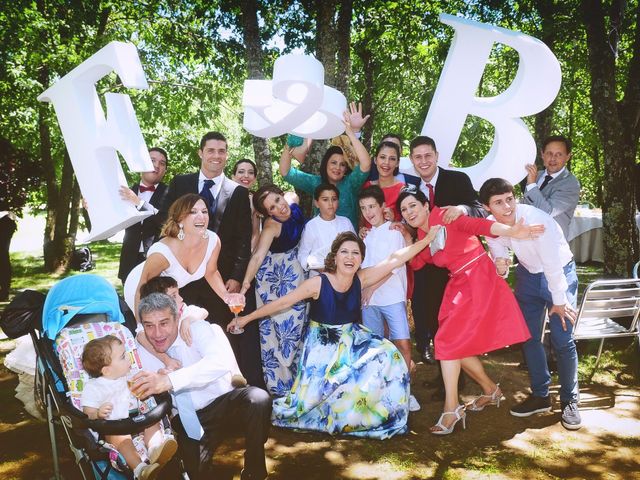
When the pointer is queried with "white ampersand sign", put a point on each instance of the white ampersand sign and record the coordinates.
(534, 87)
(93, 140)
(296, 101)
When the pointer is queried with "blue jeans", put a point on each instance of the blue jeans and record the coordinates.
(532, 293)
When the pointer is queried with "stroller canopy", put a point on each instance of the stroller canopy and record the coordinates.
(84, 294)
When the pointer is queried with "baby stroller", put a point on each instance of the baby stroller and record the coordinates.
(76, 310)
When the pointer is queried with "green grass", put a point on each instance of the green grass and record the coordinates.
(28, 270)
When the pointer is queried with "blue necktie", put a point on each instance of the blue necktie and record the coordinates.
(186, 409)
(208, 196)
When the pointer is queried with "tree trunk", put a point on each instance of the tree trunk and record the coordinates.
(618, 128)
(327, 38)
(544, 119)
(75, 209)
(368, 100)
(58, 251)
(255, 59)
(344, 47)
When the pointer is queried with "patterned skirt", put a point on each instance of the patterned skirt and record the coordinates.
(349, 382)
(280, 334)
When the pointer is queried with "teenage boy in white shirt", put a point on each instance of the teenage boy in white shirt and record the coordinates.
(384, 302)
(546, 282)
(320, 232)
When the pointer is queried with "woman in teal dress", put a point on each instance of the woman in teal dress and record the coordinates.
(277, 271)
(334, 169)
(349, 380)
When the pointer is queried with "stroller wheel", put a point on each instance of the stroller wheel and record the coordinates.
(39, 392)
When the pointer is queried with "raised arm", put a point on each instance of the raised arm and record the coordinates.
(289, 153)
(361, 152)
(308, 289)
(269, 232)
(371, 275)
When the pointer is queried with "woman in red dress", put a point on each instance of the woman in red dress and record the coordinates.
(479, 312)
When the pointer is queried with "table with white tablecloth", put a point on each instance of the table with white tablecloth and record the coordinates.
(585, 235)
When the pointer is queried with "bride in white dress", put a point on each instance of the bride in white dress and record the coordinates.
(188, 252)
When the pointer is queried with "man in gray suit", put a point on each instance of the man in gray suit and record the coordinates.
(554, 190)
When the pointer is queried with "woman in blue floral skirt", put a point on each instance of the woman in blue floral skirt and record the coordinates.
(349, 380)
(277, 271)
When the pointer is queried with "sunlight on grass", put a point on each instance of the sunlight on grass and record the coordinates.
(28, 270)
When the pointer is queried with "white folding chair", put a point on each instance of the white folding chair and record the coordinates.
(604, 301)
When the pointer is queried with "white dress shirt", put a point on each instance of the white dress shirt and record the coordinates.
(207, 365)
(423, 184)
(547, 254)
(145, 198)
(541, 179)
(316, 240)
(216, 180)
(382, 242)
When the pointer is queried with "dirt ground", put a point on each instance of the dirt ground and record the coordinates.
(495, 445)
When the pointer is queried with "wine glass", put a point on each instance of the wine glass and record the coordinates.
(131, 386)
(236, 305)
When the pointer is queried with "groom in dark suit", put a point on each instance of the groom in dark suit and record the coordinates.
(148, 195)
(453, 191)
(230, 218)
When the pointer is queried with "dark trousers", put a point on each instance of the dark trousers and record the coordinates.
(242, 411)
(246, 346)
(428, 290)
(7, 229)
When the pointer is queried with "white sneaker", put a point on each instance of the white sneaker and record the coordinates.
(145, 471)
(163, 452)
(414, 406)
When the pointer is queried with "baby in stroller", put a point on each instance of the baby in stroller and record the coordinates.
(106, 396)
(76, 311)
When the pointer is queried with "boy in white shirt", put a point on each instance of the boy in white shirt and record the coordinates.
(321, 230)
(546, 280)
(384, 302)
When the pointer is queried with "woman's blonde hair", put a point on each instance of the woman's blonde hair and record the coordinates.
(330, 260)
(177, 213)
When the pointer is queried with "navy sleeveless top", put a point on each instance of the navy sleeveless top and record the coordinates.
(337, 308)
(291, 231)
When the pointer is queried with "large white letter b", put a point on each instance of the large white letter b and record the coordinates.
(534, 87)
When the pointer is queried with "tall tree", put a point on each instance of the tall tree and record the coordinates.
(615, 96)
(255, 61)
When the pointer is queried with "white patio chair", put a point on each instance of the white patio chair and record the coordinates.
(602, 302)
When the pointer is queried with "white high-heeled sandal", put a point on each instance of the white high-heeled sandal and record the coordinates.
(494, 399)
(447, 430)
